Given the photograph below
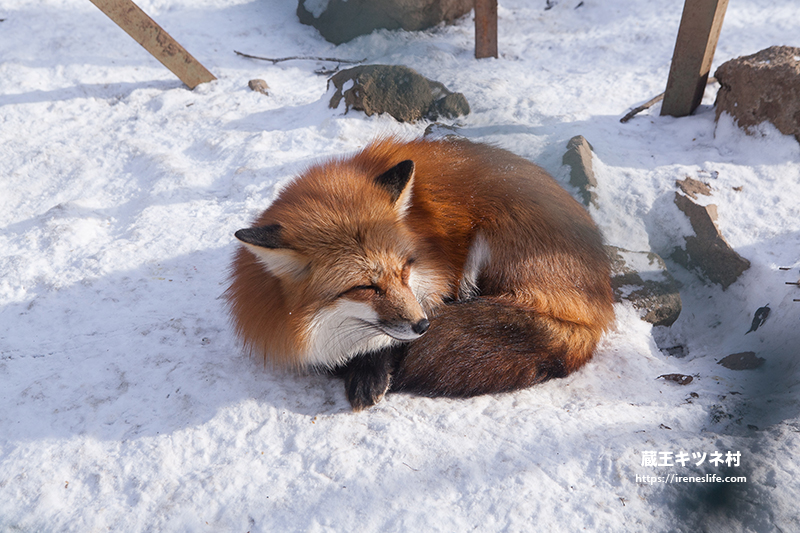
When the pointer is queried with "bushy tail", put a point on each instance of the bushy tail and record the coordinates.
(487, 345)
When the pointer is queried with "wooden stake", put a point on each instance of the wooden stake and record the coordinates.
(701, 23)
(155, 40)
(485, 28)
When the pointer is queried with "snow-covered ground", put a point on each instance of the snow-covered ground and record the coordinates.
(126, 403)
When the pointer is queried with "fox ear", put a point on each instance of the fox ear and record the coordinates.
(267, 244)
(263, 236)
(398, 181)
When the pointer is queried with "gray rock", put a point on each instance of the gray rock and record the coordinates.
(642, 279)
(339, 21)
(707, 250)
(397, 90)
(581, 174)
(451, 106)
(762, 86)
(741, 361)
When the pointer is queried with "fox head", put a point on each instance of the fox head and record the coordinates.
(344, 259)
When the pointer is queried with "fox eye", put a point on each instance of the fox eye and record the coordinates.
(363, 291)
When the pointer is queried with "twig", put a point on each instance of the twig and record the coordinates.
(293, 58)
(650, 103)
(636, 110)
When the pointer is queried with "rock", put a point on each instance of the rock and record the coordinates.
(581, 174)
(707, 250)
(741, 361)
(397, 90)
(692, 187)
(451, 106)
(678, 351)
(680, 379)
(762, 86)
(259, 86)
(437, 130)
(642, 279)
(339, 21)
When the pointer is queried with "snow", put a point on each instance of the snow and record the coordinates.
(127, 404)
(316, 7)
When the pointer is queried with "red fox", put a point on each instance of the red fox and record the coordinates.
(441, 267)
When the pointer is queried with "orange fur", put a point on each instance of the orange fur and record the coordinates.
(494, 241)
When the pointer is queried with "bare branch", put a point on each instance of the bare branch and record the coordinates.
(650, 103)
(300, 58)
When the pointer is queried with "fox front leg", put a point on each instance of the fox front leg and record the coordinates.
(367, 377)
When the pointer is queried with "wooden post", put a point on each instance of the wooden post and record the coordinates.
(485, 28)
(155, 40)
(701, 23)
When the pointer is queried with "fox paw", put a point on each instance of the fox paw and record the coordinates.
(368, 376)
(365, 389)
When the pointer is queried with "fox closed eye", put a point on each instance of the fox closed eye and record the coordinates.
(363, 291)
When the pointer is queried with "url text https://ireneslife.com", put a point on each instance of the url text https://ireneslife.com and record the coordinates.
(672, 478)
(654, 459)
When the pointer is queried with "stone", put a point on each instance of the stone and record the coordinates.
(581, 174)
(451, 106)
(707, 250)
(741, 361)
(762, 86)
(397, 90)
(259, 86)
(692, 187)
(642, 279)
(678, 351)
(339, 21)
(680, 379)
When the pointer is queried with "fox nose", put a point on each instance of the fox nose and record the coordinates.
(421, 327)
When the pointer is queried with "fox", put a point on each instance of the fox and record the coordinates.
(441, 267)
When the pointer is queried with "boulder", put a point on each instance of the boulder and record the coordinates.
(642, 279)
(339, 21)
(397, 90)
(762, 86)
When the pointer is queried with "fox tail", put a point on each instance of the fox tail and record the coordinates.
(487, 345)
